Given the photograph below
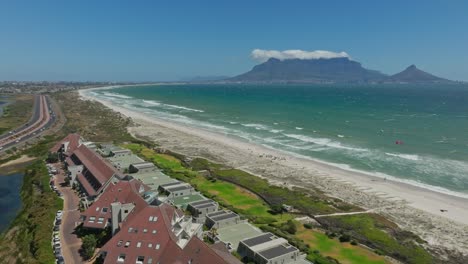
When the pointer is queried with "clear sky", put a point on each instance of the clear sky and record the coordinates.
(169, 40)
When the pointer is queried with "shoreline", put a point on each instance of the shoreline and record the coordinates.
(412, 207)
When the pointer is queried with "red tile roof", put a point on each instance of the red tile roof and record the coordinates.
(153, 237)
(101, 170)
(86, 185)
(73, 143)
(69, 161)
(123, 192)
(160, 246)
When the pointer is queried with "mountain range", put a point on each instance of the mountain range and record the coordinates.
(334, 70)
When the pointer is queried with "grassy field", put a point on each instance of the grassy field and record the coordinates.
(251, 206)
(378, 232)
(345, 253)
(17, 113)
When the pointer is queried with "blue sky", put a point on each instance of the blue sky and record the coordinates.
(169, 40)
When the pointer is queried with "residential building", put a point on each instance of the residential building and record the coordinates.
(221, 219)
(115, 204)
(141, 167)
(269, 249)
(96, 173)
(154, 236)
(65, 147)
(200, 209)
(176, 189)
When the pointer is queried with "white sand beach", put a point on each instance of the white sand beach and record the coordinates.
(413, 208)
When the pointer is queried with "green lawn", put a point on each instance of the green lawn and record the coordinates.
(345, 253)
(378, 232)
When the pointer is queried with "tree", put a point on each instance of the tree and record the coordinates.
(89, 246)
(276, 209)
(290, 227)
(52, 157)
(67, 181)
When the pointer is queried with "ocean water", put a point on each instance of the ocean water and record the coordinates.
(416, 134)
(10, 199)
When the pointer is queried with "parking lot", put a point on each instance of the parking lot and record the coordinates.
(66, 244)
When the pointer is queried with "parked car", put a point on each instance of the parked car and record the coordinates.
(60, 260)
(57, 245)
(59, 213)
(56, 239)
(57, 228)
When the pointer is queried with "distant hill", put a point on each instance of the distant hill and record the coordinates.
(414, 75)
(205, 78)
(334, 70)
(314, 70)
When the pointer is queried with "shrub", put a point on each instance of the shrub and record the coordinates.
(89, 245)
(308, 225)
(289, 227)
(345, 238)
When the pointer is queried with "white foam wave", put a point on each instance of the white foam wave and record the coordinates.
(152, 103)
(256, 126)
(404, 156)
(116, 95)
(340, 136)
(183, 108)
(299, 128)
(323, 142)
(276, 131)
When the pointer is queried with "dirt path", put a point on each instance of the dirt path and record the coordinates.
(20, 160)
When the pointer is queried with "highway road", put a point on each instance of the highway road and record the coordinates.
(42, 118)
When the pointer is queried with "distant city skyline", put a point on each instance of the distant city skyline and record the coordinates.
(155, 41)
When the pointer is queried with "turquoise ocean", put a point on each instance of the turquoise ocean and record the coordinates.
(411, 133)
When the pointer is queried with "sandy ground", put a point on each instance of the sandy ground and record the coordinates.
(20, 160)
(412, 208)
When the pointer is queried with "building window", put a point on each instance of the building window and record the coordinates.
(127, 244)
(140, 259)
(97, 209)
(150, 245)
(101, 220)
(157, 246)
(139, 245)
(92, 219)
(130, 229)
(120, 243)
(145, 230)
(154, 231)
(105, 209)
(121, 258)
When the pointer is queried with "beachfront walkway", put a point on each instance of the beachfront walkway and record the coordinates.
(71, 244)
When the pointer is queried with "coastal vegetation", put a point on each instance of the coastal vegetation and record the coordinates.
(28, 238)
(91, 120)
(16, 113)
